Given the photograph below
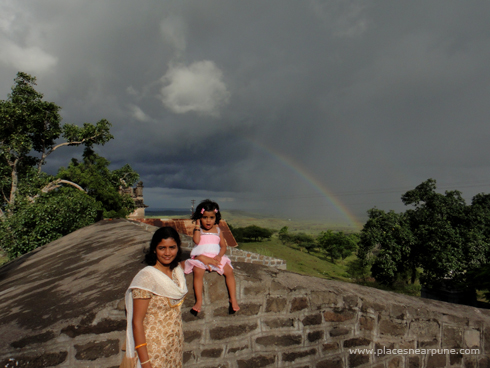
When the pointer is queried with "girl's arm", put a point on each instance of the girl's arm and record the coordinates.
(196, 235)
(222, 245)
(140, 306)
(208, 262)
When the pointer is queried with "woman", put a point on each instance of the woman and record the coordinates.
(153, 303)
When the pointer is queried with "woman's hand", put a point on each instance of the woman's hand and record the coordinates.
(218, 258)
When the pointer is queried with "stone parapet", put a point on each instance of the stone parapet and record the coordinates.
(62, 306)
(288, 320)
(238, 255)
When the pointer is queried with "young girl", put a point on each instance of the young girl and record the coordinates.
(209, 253)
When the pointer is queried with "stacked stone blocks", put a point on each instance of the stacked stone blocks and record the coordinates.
(281, 327)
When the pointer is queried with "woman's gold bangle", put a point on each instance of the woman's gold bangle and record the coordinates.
(140, 345)
(148, 361)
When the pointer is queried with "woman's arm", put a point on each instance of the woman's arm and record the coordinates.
(196, 235)
(140, 306)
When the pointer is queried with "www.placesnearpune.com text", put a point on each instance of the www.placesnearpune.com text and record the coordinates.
(387, 351)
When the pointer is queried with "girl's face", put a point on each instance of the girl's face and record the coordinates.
(208, 219)
(166, 251)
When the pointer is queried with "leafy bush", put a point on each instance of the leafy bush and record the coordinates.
(50, 217)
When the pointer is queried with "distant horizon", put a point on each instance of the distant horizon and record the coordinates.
(173, 211)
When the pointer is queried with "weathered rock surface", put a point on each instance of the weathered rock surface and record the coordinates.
(61, 306)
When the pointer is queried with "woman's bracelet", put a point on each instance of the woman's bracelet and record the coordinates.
(196, 229)
(140, 345)
(148, 361)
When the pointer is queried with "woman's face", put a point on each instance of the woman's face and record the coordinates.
(166, 251)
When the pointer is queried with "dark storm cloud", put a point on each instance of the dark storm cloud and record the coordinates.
(271, 104)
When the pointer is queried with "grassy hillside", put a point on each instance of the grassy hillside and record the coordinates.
(317, 265)
(300, 261)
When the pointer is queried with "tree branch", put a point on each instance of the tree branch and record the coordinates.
(75, 143)
(54, 185)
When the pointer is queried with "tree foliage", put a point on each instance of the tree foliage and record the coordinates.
(36, 208)
(440, 234)
(388, 244)
(101, 183)
(251, 233)
(337, 245)
(29, 130)
(300, 240)
(52, 216)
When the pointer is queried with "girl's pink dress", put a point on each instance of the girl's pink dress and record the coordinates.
(208, 246)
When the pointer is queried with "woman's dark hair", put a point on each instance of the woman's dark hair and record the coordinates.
(163, 233)
(207, 205)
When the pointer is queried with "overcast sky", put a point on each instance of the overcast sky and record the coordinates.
(299, 108)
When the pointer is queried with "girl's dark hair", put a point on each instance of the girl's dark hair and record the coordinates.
(207, 205)
(163, 233)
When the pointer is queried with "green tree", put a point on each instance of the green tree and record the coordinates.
(337, 245)
(36, 208)
(358, 270)
(443, 233)
(257, 233)
(237, 233)
(303, 240)
(284, 235)
(251, 233)
(388, 237)
(101, 183)
(29, 130)
(440, 234)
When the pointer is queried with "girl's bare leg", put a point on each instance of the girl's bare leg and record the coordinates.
(198, 285)
(231, 285)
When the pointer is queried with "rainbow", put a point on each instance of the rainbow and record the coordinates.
(309, 178)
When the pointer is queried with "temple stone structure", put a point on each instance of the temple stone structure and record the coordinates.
(62, 306)
(137, 194)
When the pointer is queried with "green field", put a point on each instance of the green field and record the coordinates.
(300, 261)
(316, 264)
(243, 219)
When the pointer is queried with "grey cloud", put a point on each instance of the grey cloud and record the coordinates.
(275, 104)
(196, 88)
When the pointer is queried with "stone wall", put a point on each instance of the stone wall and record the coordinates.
(239, 255)
(62, 306)
(235, 254)
(288, 320)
